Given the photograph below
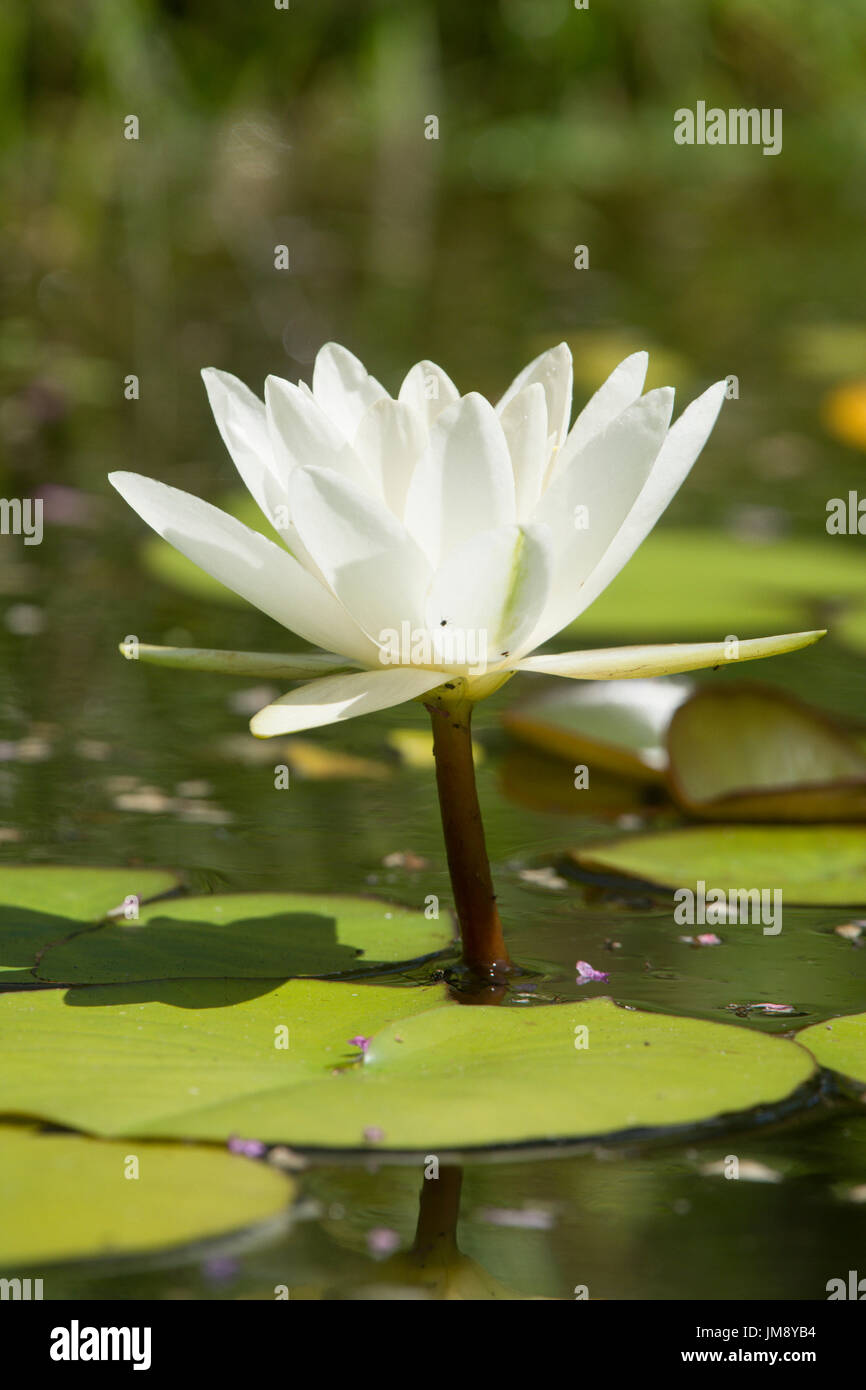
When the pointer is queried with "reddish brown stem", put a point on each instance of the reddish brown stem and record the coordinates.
(484, 949)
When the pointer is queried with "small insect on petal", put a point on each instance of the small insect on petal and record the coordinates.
(359, 1041)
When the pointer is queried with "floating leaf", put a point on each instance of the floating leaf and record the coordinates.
(618, 725)
(247, 936)
(839, 1045)
(542, 782)
(202, 1063)
(40, 904)
(69, 1197)
(810, 864)
(701, 584)
(756, 754)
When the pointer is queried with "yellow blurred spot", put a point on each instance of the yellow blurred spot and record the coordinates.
(844, 413)
(415, 747)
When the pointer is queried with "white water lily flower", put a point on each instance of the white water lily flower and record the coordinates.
(434, 540)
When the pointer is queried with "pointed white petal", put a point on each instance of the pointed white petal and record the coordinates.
(622, 663)
(685, 439)
(246, 562)
(586, 506)
(463, 483)
(391, 439)
(524, 423)
(367, 556)
(621, 390)
(301, 666)
(427, 390)
(343, 387)
(486, 598)
(241, 420)
(336, 698)
(303, 436)
(555, 372)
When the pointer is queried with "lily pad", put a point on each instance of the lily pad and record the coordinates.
(839, 1045)
(67, 1197)
(247, 936)
(205, 1062)
(753, 753)
(617, 725)
(40, 904)
(541, 782)
(810, 864)
(695, 584)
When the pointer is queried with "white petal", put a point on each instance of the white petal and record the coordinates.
(246, 562)
(343, 387)
(685, 439)
(463, 483)
(524, 423)
(367, 556)
(341, 697)
(587, 505)
(391, 439)
(241, 420)
(624, 663)
(621, 389)
(555, 372)
(426, 389)
(273, 665)
(487, 597)
(303, 436)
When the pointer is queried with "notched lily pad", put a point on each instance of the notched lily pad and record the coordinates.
(247, 936)
(811, 865)
(41, 903)
(69, 1197)
(752, 753)
(435, 1076)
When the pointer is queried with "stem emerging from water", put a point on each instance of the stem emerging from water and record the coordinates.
(484, 949)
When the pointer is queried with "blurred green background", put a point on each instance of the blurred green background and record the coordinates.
(155, 257)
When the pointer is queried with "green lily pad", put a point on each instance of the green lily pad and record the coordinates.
(697, 584)
(204, 1062)
(67, 1197)
(839, 1045)
(543, 782)
(810, 864)
(40, 904)
(247, 936)
(754, 753)
(617, 725)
